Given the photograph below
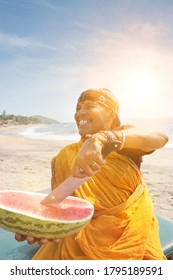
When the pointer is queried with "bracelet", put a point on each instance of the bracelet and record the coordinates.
(123, 138)
(118, 134)
(110, 135)
(96, 139)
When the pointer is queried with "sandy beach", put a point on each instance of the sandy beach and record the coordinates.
(25, 165)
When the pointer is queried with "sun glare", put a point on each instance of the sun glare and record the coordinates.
(140, 94)
(141, 87)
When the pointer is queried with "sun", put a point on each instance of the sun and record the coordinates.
(141, 87)
(139, 94)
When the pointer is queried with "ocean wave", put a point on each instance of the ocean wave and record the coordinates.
(69, 132)
(44, 132)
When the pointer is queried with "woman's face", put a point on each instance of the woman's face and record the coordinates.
(92, 117)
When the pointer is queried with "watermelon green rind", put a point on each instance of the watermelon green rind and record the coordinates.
(39, 227)
(44, 229)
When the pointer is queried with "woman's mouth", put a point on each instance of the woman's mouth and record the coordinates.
(83, 122)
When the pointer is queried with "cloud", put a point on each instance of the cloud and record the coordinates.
(30, 3)
(49, 76)
(14, 41)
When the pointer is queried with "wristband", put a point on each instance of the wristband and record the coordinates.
(123, 138)
(110, 136)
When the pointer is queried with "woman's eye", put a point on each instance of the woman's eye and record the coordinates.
(90, 107)
(77, 109)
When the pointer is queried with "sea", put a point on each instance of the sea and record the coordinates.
(69, 132)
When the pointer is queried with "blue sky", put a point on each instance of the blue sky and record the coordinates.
(52, 50)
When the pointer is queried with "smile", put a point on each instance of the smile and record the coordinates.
(83, 122)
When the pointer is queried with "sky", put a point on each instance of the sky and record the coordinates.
(52, 50)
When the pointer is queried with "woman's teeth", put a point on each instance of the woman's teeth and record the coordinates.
(82, 122)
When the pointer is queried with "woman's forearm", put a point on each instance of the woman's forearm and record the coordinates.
(135, 138)
(144, 140)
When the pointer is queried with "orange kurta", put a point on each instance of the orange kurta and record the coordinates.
(123, 226)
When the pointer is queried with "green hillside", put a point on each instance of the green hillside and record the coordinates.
(6, 119)
(45, 120)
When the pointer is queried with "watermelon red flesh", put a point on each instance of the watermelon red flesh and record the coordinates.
(22, 212)
(70, 209)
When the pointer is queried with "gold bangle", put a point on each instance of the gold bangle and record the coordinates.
(118, 136)
(123, 138)
(108, 134)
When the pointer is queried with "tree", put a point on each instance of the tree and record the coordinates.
(3, 116)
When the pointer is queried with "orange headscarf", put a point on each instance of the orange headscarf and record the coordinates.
(104, 97)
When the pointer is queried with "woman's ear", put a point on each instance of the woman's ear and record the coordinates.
(109, 120)
(115, 122)
(111, 117)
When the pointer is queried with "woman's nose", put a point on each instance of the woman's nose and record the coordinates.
(81, 111)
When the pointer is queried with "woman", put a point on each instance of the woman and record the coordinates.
(123, 226)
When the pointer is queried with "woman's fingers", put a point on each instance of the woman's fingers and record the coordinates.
(55, 240)
(19, 237)
(88, 166)
(31, 240)
(45, 240)
(89, 159)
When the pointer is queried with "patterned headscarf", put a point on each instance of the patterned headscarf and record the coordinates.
(104, 97)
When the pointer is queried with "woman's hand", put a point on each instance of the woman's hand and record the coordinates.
(89, 159)
(31, 240)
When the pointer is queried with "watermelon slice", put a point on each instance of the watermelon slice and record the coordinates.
(22, 212)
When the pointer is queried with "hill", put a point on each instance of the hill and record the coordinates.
(6, 120)
(44, 120)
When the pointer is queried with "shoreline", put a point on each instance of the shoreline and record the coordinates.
(25, 164)
(15, 127)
